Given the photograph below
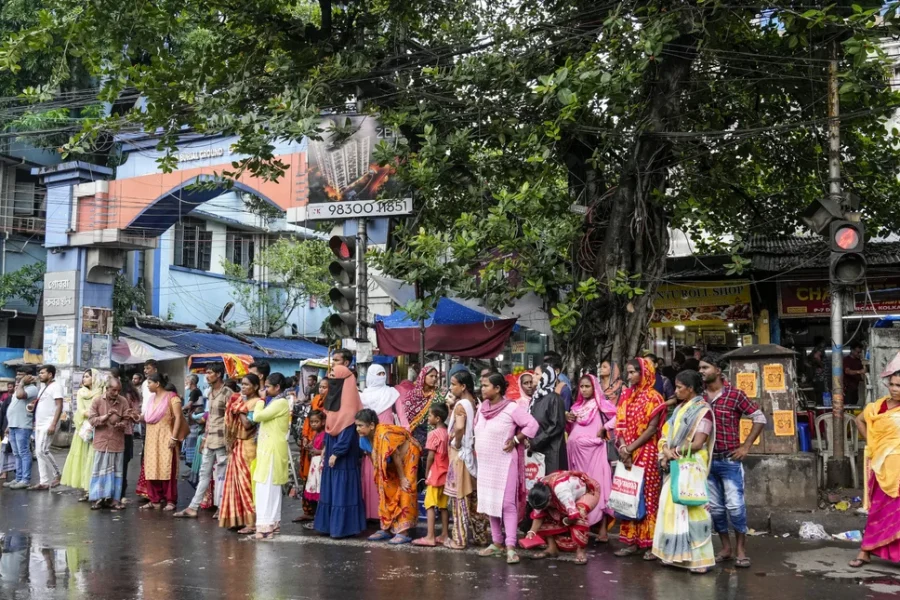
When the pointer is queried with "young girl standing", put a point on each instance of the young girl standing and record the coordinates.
(316, 422)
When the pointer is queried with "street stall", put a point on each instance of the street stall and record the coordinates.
(777, 473)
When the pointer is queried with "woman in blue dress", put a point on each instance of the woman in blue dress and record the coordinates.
(341, 511)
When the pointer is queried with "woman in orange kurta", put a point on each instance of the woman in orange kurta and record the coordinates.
(395, 455)
(640, 412)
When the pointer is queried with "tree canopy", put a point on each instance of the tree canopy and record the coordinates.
(650, 114)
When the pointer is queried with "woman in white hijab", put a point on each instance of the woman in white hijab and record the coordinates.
(381, 398)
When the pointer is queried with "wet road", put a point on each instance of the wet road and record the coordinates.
(54, 547)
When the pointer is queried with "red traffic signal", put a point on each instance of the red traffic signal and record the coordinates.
(343, 247)
(846, 237)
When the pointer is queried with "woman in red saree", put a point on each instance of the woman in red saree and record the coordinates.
(879, 425)
(566, 504)
(237, 509)
(641, 410)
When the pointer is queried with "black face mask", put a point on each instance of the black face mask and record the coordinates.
(333, 398)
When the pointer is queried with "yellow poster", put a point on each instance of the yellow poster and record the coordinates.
(746, 426)
(784, 423)
(773, 378)
(747, 383)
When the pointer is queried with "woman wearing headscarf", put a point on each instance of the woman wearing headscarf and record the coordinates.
(237, 510)
(271, 471)
(379, 397)
(590, 424)
(417, 401)
(549, 410)
(501, 428)
(640, 411)
(683, 536)
(306, 443)
(527, 386)
(879, 425)
(610, 381)
(469, 526)
(80, 462)
(163, 419)
(341, 512)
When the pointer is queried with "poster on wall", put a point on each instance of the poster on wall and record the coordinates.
(96, 320)
(746, 428)
(747, 383)
(59, 344)
(773, 378)
(784, 423)
(703, 304)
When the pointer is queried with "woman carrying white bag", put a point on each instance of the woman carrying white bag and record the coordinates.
(683, 535)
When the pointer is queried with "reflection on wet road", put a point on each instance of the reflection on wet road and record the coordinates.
(53, 547)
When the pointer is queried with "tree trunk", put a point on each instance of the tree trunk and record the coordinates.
(632, 233)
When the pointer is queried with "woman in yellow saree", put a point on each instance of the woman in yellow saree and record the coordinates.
(683, 536)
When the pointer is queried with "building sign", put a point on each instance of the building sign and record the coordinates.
(518, 347)
(706, 303)
(813, 298)
(60, 293)
(194, 155)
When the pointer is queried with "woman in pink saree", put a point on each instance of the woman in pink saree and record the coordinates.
(879, 424)
(590, 423)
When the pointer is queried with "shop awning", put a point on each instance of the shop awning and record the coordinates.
(129, 351)
(452, 328)
(189, 342)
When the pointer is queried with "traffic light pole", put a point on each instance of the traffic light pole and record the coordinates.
(362, 294)
(838, 465)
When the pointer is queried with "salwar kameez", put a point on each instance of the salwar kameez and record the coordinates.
(268, 504)
(160, 468)
(272, 461)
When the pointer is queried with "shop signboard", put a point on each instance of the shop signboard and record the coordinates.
(702, 303)
(797, 299)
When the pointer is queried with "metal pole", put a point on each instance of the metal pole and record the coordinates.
(838, 466)
(362, 293)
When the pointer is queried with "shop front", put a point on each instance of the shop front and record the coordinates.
(714, 315)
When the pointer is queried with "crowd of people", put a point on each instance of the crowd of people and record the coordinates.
(371, 455)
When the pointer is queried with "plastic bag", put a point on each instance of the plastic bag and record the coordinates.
(813, 531)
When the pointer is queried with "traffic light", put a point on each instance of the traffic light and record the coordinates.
(847, 241)
(343, 295)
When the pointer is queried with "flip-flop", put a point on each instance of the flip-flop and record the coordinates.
(625, 552)
(492, 551)
(721, 559)
(544, 556)
(381, 536)
(580, 561)
(858, 563)
(422, 542)
(246, 531)
(512, 558)
(399, 540)
(650, 557)
(742, 563)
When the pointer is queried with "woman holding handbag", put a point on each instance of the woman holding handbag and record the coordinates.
(683, 535)
(640, 411)
(590, 424)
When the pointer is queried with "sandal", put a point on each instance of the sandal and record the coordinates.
(247, 531)
(184, 514)
(84, 498)
(649, 556)
(742, 563)
(451, 545)
(381, 536)
(400, 539)
(150, 506)
(117, 507)
(492, 551)
(700, 571)
(264, 535)
(512, 558)
(625, 552)
(580, 561)
(720, 558)
(98, 505)
(857, 563)
(544, 555)
(169, 507)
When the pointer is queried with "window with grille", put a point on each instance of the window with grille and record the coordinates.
(240, 249)
(193, 245)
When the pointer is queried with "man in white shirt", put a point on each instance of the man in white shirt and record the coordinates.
(47, 410)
